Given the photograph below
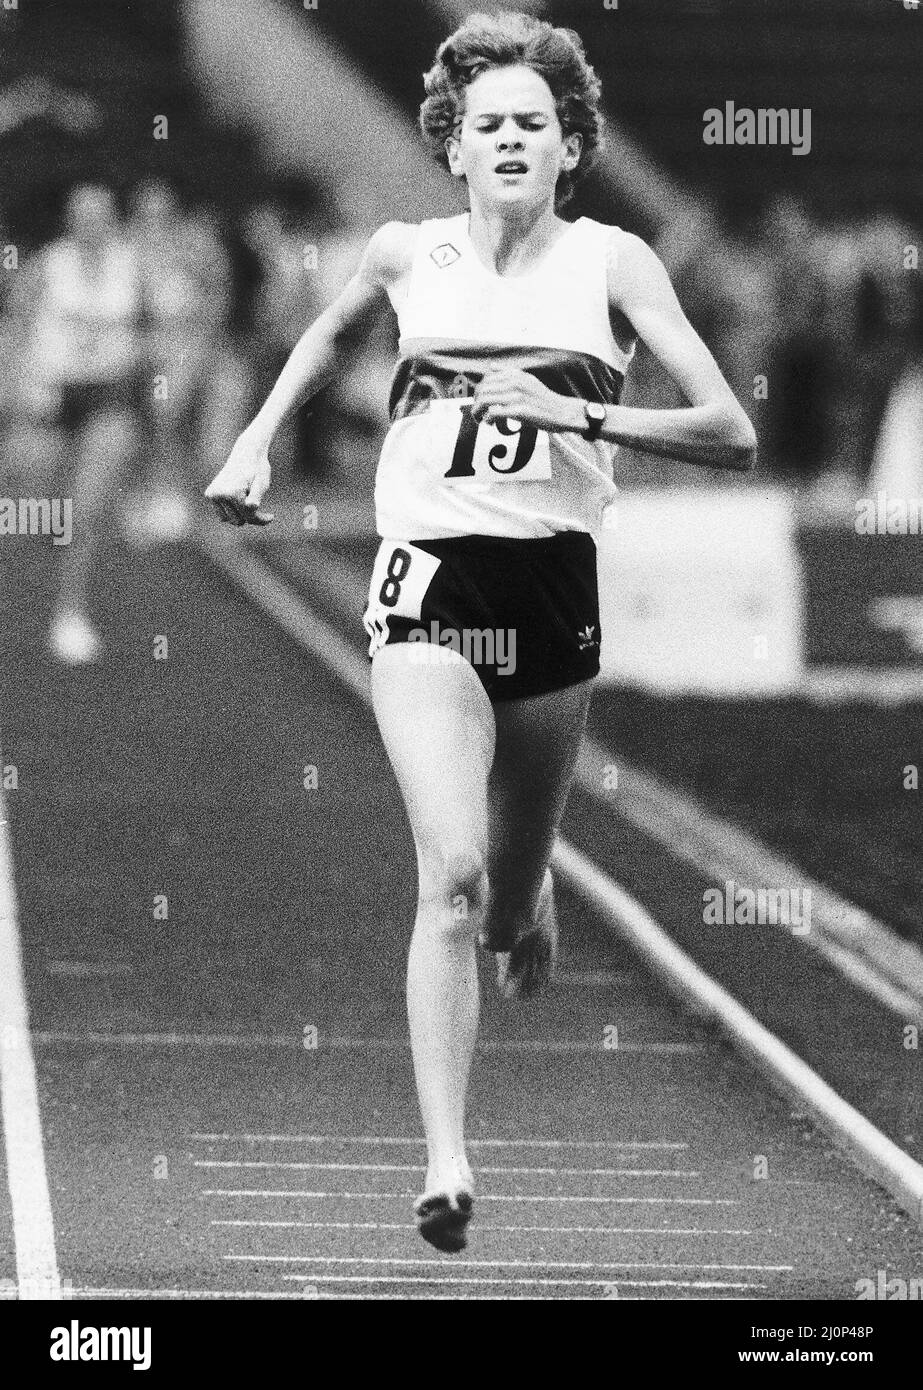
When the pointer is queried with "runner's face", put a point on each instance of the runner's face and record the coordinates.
(510, 120)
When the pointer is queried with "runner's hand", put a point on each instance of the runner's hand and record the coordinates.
(515, 394)
(237, 490)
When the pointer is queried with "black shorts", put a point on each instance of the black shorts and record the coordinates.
(524, 613)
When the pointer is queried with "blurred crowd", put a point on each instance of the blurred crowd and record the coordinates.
(817, 327)
(184, 321)
(177, 318)
(137, 344)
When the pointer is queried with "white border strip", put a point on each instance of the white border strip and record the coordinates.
(874, 957)
(33, 1229)
(873, 1152)
(875, 685)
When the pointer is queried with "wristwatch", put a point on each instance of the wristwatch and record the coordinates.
(595, 419)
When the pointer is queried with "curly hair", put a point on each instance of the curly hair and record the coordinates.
(486, 41)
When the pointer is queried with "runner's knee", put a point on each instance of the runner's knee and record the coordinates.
(455, 879)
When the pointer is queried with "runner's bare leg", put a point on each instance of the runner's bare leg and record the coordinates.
(437, 725)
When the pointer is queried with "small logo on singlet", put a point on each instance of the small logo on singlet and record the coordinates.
(586, 639)
(444, 255)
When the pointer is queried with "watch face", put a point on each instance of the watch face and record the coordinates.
(595, 411)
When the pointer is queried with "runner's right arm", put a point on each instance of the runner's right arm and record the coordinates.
(316, 359)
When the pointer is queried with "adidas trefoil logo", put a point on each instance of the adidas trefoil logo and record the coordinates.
(586, 639)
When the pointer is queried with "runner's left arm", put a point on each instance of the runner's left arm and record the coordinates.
(713, 429)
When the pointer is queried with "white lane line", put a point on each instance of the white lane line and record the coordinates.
(325, 1043)
(873, 1152)
(89, 1292)
(300, 1297)
(380, 1142)
(285, 1295)
(518, 1280)
(88, 969)
(481, 1197)
(874, 957)
(415, 1168)
(37, 1274)
(604, 979)
(350, 1296)
(861, 947)
(600, 1265)
(878, 685)
(411, 1229)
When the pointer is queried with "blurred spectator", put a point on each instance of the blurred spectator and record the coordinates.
(35, 98)
(354, 409)
(285, 302)
(287, 298)
(883, 325)
(729, 292)
(81, 354)
(897, 459)
(800, 428)
(825, 313)
(186, 284)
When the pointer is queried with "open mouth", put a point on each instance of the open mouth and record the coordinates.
(511, 166)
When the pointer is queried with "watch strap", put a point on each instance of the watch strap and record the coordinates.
(593, 426)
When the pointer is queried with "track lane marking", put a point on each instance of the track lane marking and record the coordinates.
(601, 1265)
(862, 948)
(872, 1151)
(419, 1143)
(37, 1273)
(59, 1037)
(415, 1168)
(411, 1229)
(90, 1292)
(538, 1283)
(482, 1197)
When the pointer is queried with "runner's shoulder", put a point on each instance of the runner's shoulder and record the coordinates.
(628, 250)
(632, 267)
(389, 253)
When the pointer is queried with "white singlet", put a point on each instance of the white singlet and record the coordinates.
(86, 326)
(440, 473)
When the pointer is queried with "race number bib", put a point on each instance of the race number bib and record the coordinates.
(401, 575)
(503, 451)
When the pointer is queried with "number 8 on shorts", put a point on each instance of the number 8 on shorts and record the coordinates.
(401, 575)
(398, 565)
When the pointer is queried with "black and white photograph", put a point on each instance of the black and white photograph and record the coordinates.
(461, 665)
